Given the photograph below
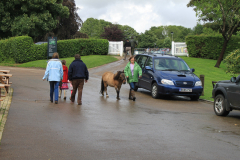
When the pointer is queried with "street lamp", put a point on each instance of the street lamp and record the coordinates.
(172, 35)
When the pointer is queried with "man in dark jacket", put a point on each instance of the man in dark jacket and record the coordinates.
(76, 74)
(133, 44)
(127, 48)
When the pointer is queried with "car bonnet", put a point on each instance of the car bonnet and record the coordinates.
(177, 75)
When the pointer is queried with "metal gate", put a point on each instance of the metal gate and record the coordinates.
(115, 48)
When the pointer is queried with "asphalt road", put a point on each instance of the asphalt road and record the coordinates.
(105, 128)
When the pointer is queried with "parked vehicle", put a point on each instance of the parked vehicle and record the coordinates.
(226, 96)
(167, 75)
(38, 43)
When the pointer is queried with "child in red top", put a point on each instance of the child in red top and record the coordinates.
(64, 86)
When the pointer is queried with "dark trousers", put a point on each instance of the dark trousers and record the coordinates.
(54, 88)
(132, 50)
(132, 85)
(77, 85)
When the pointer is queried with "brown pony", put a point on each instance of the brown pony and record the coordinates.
(112, 80)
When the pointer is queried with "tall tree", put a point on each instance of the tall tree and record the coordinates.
(67, 27)
(198, 29)
(128, 31)
(148, 39)
(167, 42)
(31, 17)
(222, 12)
(80, 35)
(113, 33)
(94, 27)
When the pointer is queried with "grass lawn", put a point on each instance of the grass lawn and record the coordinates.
(91, 61)
(206, 67)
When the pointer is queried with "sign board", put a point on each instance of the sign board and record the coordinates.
(52, 46)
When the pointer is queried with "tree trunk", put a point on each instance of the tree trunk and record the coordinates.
(221, 54)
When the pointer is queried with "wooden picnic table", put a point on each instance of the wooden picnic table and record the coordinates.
(5, 77)
(5, 71)
(2, 86)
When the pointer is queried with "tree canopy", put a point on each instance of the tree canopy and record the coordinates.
(148, 39)
(160, 33)
(31, 17)
(67, 27)
(225, 13)
(128, 31)
(113, 33)
(94, 27)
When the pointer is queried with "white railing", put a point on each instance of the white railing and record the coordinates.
(115, 48)
(179, 49)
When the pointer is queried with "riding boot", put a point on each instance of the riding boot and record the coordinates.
(133, 95)
(130, 95)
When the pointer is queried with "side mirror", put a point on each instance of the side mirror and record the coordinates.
(148, 68)
(192, 70)
(233, 79)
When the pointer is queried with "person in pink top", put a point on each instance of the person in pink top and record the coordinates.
(132, 71)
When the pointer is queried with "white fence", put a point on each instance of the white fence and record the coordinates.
(115, 48)
(179, 49)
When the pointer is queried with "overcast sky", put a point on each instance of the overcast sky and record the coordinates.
(139, 14)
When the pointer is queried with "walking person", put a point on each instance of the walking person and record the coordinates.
(54, 73)
(127, 48)
(77, 73)
(64, 86)
(132, 71)
(133, 44)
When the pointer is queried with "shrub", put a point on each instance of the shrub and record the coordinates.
(210, 46)
(233, 62)
(68, 48)
(22, 49)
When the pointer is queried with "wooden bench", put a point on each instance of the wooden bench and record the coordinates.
(4, 87)
(5, 71)
(1, 86)
(4, 78)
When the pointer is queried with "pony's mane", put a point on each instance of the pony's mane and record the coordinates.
(117, 75)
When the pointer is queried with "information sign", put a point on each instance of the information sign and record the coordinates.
(52, 46)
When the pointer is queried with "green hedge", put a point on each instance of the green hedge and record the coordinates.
(68, 48)
(22, 49)
(210, 46)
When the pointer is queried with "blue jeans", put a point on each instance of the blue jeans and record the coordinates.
(132, 85)
(54, 88)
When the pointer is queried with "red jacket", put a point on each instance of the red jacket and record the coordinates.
(65, 74)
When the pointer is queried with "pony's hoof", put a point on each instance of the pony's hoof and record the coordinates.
(107, 95)
(118, 98)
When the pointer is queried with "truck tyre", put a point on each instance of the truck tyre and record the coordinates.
(219, 106)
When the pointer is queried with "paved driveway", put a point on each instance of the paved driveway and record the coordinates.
(104, 128)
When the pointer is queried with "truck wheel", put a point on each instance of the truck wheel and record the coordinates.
(219, 106)
(154, 91)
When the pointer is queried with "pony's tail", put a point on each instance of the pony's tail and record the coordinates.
(102, 87)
